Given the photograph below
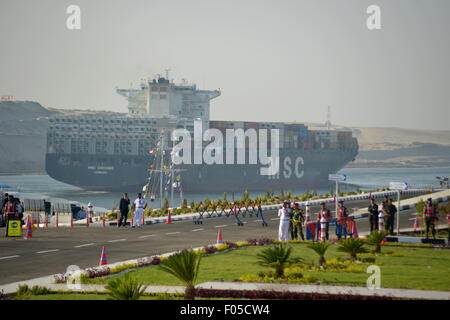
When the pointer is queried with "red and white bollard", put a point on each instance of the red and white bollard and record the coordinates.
(307, 213)
(323, 229)
(46, 220)
(90, 213)
(381, 221)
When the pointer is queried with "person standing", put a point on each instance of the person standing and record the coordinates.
(124, 208)
(297, 222)
(341, 223)
(3, 210)
(430, 216)
(324, 212)
(285, 216)
(390, 211)
(11, 207)
(373, 215)
(11, 210)
(139, 205)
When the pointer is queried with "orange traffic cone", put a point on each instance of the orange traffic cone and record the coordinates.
(103, 260)
(219, 237)
(169, 219)
(29, 233)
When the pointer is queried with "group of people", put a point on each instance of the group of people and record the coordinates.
(389, 211)
(293, 219)
(124, 207)
(11, 207)
(430, 216)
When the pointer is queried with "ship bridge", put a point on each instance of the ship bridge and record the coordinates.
(161, 98)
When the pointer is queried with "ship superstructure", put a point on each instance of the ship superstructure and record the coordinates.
(161, 98)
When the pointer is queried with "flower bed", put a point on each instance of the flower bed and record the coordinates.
(284, 295)
(103, 271)
(264, 277)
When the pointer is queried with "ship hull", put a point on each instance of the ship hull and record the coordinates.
(298, 169)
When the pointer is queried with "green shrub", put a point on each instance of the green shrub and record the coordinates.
(277, 257)
(320, 248)
(368, 259)
(125, 288)
(25, 290)
(375, 238)
(352, 246)
(184, 266)
(295, 275)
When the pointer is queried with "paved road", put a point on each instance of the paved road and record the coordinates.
(53, 250)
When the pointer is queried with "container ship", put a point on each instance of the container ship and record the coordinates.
(120, 152)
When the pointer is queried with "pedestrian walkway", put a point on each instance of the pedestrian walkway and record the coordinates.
(241, 286)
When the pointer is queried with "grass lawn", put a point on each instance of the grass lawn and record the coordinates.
(419, 268)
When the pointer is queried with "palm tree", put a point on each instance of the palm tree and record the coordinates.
(277, 257)
(320, 248)
(352, 246)
(125, 288)
(184, 266)
(375, 238)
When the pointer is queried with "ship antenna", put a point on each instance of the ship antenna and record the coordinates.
(167, 73)
(328, 122)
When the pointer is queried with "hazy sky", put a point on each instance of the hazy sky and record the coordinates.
(273, 60)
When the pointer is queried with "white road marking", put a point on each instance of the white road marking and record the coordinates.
(173, 232)
(146, 236)
(221, 226)
(195, 230)
(84, 245)
(118, 240)
(275, 219)
(9, 257)
(47, 251)
(257, 220)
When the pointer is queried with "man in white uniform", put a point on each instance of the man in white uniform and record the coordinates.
(139, 205)
(285, 216)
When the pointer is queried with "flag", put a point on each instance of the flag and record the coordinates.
(311, 231)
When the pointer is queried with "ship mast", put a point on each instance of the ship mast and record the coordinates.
(328, 122)
(161, 168)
